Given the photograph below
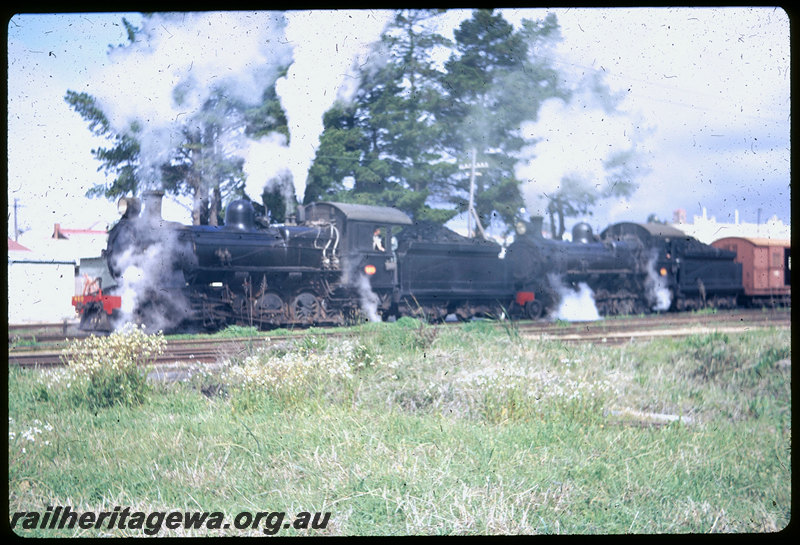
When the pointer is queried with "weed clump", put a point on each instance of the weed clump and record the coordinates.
(713, 353)
(719, 359)
(287, 378)
(106, 371)
(510, 391)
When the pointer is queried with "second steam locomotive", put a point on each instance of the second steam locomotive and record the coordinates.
(342, 262)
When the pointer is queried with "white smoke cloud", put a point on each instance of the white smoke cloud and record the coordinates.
(264, 160)
(571, 141)
(323, 70)
(573, 306)
(574, 139)
(149, 284)
(161, 81)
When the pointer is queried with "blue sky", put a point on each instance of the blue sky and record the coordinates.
(705, 103)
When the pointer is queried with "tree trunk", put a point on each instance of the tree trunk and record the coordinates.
(200, 208)
(216, 205)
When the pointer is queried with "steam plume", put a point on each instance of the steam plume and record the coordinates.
(658, 293)
(574, 306)
(157, 85)
(368, 298)
(151, 281)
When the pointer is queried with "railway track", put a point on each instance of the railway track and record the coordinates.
(201, 350)
(611, 331)
(626, 329)
(623, 337)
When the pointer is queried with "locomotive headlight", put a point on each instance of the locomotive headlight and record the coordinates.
(520, 226)
(128, 207)
(663, 271)
(370, 270)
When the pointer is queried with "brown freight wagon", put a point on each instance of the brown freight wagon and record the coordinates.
(766, 268)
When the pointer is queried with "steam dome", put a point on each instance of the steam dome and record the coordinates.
(240, 215)
(582, 232)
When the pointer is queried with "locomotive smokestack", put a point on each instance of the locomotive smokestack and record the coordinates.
(536, 226)
(152, 203)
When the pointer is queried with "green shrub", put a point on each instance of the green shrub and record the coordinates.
(236, 331)
(406, 334)
(714, 355)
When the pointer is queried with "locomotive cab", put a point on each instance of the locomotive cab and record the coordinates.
(368, 245)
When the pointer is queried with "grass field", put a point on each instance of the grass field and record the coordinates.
(407, 428)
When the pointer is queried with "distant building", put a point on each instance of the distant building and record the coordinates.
(708, 230)
(43, 278)
(66, 243)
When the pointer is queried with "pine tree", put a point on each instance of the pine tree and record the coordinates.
(387, 140)
(495, 82)
(200, 165)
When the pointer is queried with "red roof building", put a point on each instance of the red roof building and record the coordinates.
(60, 232)
(14, 246)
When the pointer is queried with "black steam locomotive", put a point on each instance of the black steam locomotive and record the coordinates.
(631, 268)
(341, 262)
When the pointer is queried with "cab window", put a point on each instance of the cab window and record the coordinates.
(379, 239)
(371, 237)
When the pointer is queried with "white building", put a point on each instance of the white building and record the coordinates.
(708, 230)
(42, 279)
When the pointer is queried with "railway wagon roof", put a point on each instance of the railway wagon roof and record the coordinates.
(757, 241)
(361, 212)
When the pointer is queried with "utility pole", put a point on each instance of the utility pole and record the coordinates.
(471, 213)
(758, 224)
(16, 229)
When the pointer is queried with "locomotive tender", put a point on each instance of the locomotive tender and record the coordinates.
(341, 262)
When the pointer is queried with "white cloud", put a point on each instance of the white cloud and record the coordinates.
(700, 87)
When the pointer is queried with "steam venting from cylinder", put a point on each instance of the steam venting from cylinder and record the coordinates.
(574, 305)
(658, 293)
